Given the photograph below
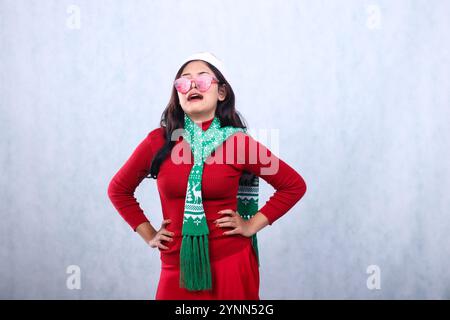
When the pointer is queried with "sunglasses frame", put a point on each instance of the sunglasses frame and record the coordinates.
(213, 80)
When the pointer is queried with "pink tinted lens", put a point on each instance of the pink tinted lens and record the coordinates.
(202, 82)
(182, 84)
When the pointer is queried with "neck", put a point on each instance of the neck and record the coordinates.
(201, 117)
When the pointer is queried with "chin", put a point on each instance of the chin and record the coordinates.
(197, 108)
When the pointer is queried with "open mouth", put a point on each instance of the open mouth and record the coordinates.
(195, 97)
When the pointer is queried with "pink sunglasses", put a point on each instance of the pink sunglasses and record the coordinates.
(202, 82)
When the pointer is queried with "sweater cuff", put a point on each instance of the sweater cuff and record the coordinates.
(137, 220)
(271, 216)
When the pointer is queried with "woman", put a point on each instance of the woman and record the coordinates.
(207, 169)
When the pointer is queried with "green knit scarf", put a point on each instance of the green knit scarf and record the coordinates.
(195, 269)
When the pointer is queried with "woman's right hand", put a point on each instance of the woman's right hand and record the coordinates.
(161, 235)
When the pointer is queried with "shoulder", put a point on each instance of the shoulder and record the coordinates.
(155, 138)
(243, 138)
(157, 133)
(240, 135)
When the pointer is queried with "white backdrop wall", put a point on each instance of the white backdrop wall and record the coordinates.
(358, 89)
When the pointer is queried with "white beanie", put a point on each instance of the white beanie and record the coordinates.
(211, 58)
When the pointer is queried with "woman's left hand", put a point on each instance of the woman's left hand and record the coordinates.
(234, 220)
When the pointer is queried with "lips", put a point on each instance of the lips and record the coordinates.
(194, 96)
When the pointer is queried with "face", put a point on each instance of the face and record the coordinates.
(206, 106)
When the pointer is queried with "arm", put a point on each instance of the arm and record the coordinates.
(258, 222)
(288, 183)
(123, 185)
(146, 231)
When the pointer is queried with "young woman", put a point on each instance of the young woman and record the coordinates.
(207, 169)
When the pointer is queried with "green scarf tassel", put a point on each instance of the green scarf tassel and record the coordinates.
(195, 270)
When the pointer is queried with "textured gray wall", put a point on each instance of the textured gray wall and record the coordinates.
(358, 89)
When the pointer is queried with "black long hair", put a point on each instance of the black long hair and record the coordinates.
(172, 118)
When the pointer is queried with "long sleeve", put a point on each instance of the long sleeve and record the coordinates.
(289, 184)
(124, 183)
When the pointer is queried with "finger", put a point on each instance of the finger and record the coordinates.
(167, 221)
(225, 219)
(230, 232)
(160, 245)
(165, 238)
(226, 211)
(167, 232)
(227, 224)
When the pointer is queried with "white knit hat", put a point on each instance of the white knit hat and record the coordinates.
(211, 58)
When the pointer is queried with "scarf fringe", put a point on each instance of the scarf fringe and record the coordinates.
(195, 268)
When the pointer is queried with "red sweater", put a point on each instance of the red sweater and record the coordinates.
(220, 182)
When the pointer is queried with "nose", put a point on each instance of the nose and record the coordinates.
(190, 87)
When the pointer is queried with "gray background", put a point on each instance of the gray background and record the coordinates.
(358, 89)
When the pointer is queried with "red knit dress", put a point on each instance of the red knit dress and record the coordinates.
(234, 268)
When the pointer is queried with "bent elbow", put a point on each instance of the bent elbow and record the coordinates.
(112, 189)
(300, 187)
